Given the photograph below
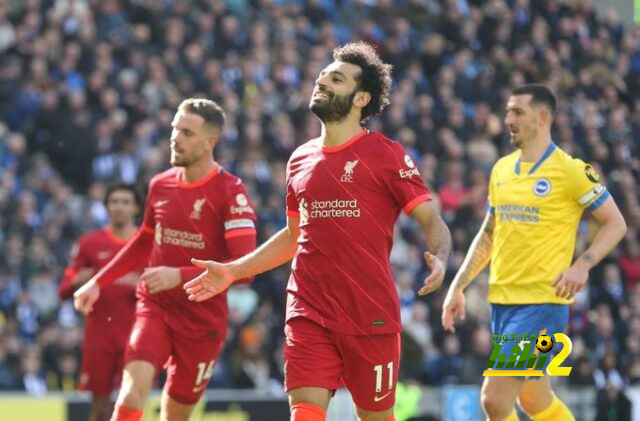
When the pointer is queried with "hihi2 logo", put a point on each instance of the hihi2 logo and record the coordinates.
(525, 362)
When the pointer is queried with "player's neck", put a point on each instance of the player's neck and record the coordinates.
(198, 170)
(534, 151)
(335, 134)
(122, 231)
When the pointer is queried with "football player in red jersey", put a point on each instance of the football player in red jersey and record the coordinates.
(107, 327)
(345, 190)
(194, 208)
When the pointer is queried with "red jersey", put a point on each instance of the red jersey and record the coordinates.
(112, 316)
(347, 199)
(212, 218)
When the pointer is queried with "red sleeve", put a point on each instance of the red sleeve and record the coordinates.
(79, 259)
(148, 222)
(239, 223)
(128, 258)
(241, 245)
(292, 202)
(402, 178)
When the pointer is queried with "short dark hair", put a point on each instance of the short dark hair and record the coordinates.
(209, 110)
(374, 78)
(123, 186)
(540, 95)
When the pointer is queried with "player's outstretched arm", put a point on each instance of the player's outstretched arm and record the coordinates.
(127, 259)
(612, 230)
(276, 251)
(86, 296)
(477, 258)
(439, 242)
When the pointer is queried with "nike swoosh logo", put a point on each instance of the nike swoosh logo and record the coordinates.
(104, 255)
(161, 202)
(199, 388)
(379, 398)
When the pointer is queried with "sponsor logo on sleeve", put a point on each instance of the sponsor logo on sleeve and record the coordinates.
(241, 199)
(243, 205)
(591, 174)
(404, 173)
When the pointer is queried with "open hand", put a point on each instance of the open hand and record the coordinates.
(434, 280)
(215, 280)
(453, 309)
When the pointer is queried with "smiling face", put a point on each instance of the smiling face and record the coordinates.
(524, 119)
(333, 95)
(191, 139)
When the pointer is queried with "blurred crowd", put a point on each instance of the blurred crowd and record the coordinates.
(88, 89)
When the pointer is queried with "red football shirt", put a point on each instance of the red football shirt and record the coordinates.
(203, 220)
(347, 200)
(110, 322)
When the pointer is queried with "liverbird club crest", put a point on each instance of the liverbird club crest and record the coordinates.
(349, 166)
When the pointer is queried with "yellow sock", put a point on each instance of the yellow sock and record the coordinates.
(557, 411)
(513, 416)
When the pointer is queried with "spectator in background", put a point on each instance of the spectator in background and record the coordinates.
(582, 373)
(607, 373)
(630, 261)
(33, 381)
(612, 404)
(7, 376)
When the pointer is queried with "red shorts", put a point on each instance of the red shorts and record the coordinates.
(366, 365)
(189, 361)
(101, 370)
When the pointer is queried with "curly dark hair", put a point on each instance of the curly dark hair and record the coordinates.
(374, 78)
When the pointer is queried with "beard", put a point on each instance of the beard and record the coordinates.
(333, 109)
(181, 161)
(523, 137)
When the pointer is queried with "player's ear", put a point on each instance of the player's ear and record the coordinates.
(361, 99)
(544, 116)
(213, 138)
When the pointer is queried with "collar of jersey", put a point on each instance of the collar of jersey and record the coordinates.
(331, 149)
(217, 169)
(115, 239)
(552, 147)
